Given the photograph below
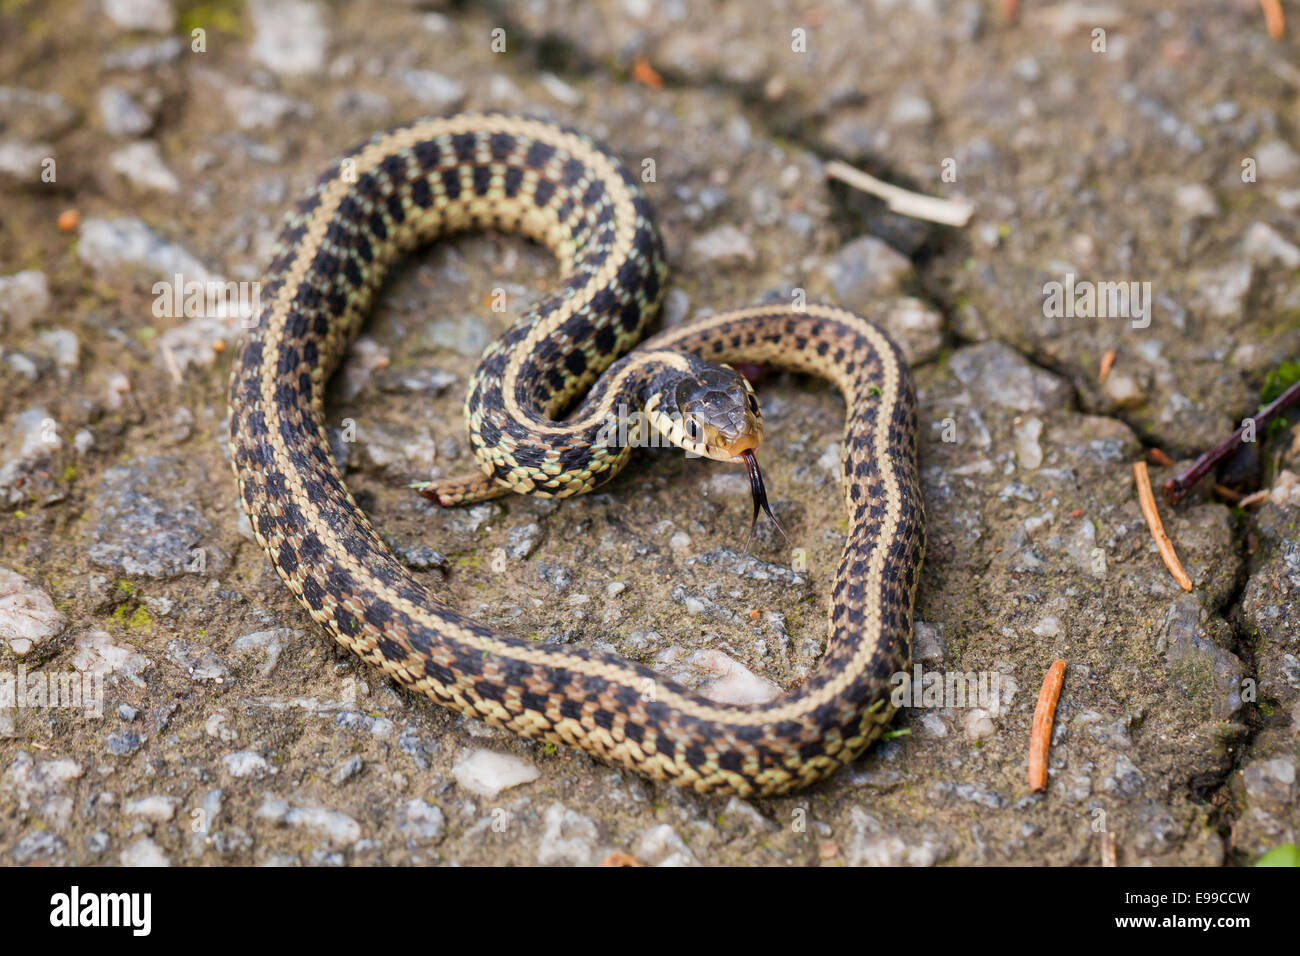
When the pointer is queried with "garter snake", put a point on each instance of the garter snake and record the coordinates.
(435, 177)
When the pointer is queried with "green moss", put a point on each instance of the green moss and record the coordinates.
(1288, 854)
(139, 619)
(213, 16)
(1278, 381)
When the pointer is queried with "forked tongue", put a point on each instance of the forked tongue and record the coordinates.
(759, 493)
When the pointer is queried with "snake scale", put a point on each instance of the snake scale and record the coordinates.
(439, 176)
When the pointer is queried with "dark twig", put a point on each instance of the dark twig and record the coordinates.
(1177, 487)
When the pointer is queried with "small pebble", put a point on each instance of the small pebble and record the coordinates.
(144, 852)
(487, 773)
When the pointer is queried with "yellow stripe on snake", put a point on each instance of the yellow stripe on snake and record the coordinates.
(471, 171)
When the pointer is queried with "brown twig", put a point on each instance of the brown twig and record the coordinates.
(1107, 361)
(1159, 457)
(169, 360)
(1040, 736)
(1148, 501)
(1273, 19)
(1228, 494)
(1255, 498)
(1177, 487)
(646, 74)
(1107, 848)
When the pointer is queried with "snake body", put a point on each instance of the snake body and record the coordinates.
(439, 176)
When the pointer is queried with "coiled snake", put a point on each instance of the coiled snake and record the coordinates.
(439, 176)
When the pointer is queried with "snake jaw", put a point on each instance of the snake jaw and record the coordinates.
(759, 492)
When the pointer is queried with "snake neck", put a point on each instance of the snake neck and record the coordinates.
(591, 443)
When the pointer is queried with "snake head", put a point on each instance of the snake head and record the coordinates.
(712, 411)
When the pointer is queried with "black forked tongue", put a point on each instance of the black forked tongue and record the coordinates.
(759, 493)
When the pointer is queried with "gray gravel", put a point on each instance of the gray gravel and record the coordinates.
(148, 525)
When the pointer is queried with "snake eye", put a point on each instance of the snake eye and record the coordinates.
(753, 404)
(693, 430)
